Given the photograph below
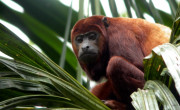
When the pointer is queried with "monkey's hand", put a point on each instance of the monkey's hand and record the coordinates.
(114, 105)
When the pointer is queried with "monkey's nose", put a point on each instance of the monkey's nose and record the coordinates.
(85, 48)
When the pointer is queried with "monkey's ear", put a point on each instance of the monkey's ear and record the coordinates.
(106, 22)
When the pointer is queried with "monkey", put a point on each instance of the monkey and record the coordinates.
(114, 48)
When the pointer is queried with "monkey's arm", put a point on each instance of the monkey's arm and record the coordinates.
(124, 76)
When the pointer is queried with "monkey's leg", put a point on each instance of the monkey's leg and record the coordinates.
(125, 78)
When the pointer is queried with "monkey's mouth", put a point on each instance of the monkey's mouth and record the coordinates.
(88, 56)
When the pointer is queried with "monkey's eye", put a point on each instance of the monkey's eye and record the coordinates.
(79, 39)
(92, 36)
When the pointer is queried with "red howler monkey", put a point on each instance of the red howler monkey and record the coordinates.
(114, 48)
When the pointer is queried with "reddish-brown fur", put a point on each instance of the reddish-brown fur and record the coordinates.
(123, 44)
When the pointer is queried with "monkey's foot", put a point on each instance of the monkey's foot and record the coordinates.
(115, 105)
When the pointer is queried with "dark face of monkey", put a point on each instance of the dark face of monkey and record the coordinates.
(87, 45)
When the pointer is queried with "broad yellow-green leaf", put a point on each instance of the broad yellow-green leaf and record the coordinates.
(144, 100)
(163, 94)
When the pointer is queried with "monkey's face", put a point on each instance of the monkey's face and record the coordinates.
(87, 46)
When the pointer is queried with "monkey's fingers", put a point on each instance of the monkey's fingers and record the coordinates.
(114, 105)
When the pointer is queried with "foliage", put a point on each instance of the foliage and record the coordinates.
(36, 72)
(30, 78)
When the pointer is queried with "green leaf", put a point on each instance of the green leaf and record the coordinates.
(138, 12)
(19, 84)
(171, 57)
(128, 5)
(27, 85)
(154, 64)
(74, 91)
(43, 64)
(67, 31)
(13, 46)
(144, 100)
(45, 36)
(13, 92)
(173, 5)
(95, 5)
(154, 12)
(176, 29)
(67, 109)
(51, 38)
(163, 94)
(38, 100)
(113, 8)
(16, 48)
